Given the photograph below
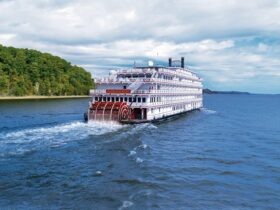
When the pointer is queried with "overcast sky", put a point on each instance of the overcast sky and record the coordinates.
(232, 45)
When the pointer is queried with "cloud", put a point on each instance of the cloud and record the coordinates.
(262, 47)
(224, 41)
(6, 38)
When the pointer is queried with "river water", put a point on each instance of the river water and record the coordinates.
(225, 156)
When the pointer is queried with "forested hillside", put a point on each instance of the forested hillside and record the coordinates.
(29, 72)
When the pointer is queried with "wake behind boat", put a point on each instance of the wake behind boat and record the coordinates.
(144, 94)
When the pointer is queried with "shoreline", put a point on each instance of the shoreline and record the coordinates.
(3, 98)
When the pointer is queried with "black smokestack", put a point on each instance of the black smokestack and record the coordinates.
(182, 62)
(169, 62)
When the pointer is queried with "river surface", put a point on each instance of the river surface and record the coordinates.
(225, 156)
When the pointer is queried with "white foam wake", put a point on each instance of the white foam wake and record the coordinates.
(208, 111)
(140, 127)
(17, 142)
(26, 140)
(125, 205)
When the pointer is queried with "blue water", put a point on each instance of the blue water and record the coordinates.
(226, 156)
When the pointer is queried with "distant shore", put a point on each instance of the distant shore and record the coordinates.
(2, 98)
(208, 91)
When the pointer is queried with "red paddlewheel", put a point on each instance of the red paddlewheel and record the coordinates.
(109, 111)
(124, 112)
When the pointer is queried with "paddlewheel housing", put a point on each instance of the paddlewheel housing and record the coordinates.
(109, 111)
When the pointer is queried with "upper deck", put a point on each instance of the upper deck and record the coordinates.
(151, 74)
(150, 70)
(152, 79)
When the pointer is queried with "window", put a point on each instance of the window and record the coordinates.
(117, 98)
(96, 98)
(125, 99)
(100, 98)
(124, 87)
(134, 99)
(108, 98)
(113, 99)
(139, 100)
(104, 98)
(130, 99)
(144, 100)
(121, 99)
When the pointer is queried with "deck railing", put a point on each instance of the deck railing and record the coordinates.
(177, 72)
(139, 92)
(147, 80)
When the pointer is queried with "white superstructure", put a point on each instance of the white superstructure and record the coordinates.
(144, 94)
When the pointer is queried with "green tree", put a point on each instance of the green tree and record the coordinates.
(30, 72)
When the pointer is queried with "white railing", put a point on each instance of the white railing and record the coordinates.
(147, 80)
(177, 72)
(136, 71)
(169, 92)
(180, 73)
(180, 83)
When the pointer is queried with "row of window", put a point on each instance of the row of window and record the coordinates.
(171, 98)
(142, 99)
(121, 99)
(174, 88)
(178, 107)
(155, 99)
(153, 109)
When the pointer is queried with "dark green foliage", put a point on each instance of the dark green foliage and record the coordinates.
(30, 72)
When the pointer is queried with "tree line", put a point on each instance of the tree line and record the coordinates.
(25, 72)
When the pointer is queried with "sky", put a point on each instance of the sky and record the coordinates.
(231, 44)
